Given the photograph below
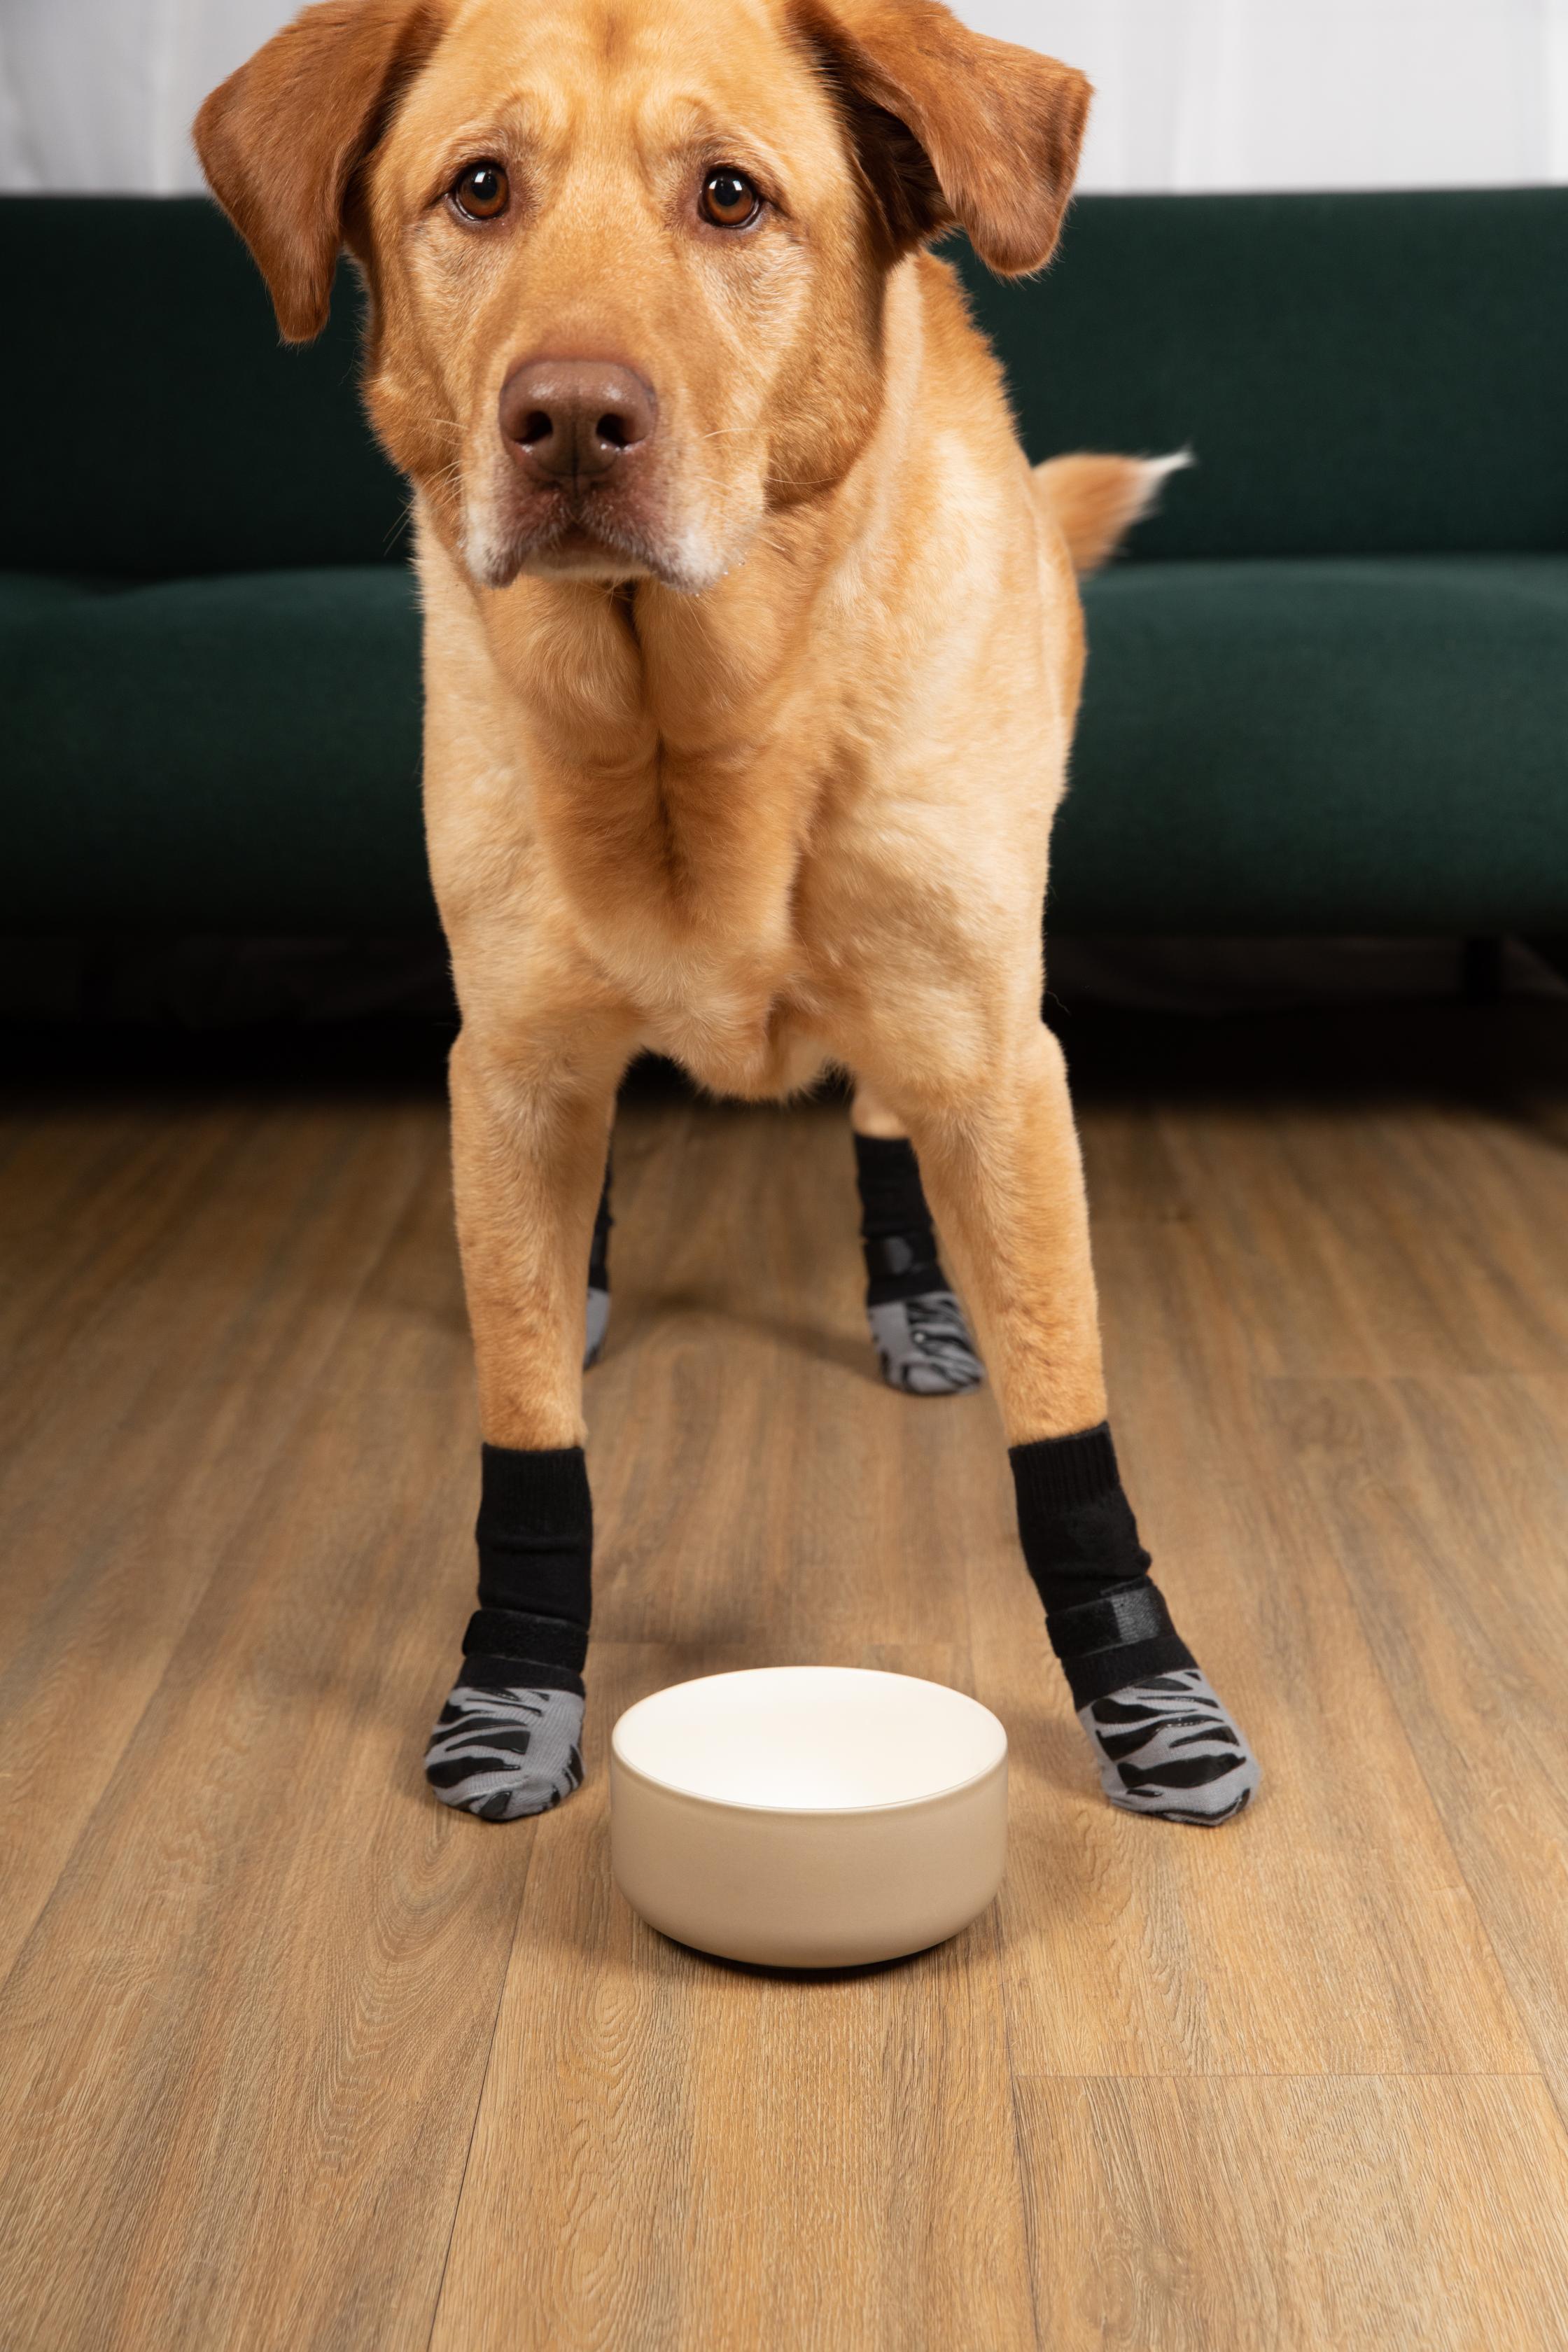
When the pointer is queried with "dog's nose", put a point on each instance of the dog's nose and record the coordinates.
(572, 420)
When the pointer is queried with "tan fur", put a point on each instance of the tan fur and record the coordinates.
(768, 784)
(1094, 500)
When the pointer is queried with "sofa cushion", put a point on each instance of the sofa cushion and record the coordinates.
(1355, 746)
(1362, 745)
(237, 755)
(1357, 373)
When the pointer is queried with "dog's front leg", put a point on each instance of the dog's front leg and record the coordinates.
(530, 1127)
(1002, 1166)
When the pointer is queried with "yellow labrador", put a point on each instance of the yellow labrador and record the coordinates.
(753, 650)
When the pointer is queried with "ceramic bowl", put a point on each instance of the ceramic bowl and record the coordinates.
(809, 1816)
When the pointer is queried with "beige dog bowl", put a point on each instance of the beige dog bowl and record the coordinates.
(809, 1816)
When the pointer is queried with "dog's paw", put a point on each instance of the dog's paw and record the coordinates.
(503, 1754)
(924, 1345)
(1169, 1747)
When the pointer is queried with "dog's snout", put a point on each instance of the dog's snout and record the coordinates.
(571, 420)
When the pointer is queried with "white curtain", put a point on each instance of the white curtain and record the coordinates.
(1191, 94)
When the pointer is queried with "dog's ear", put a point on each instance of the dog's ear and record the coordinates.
(280, 140)
(951, 127)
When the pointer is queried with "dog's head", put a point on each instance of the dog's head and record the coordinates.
(628, 258)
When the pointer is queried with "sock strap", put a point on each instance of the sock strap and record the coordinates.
(533, 1640)
(483, 1673)
(1120, 1636)
(902, 1253)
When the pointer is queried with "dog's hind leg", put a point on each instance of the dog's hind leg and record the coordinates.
(529, 1129)
(916, 1325)
(1005, 1176)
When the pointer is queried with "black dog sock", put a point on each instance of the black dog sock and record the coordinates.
(916, 1322)
(507, 1742)
(1163, 1740)
(599, 1277)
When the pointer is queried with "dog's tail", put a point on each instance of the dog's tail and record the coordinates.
(1096, 500)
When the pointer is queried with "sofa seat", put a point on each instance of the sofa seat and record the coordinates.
(1373, 744)
(1326, 744)
(237, 753)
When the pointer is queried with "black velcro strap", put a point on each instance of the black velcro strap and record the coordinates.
(902, 1253)
(487, 1674)
(1128, 1612)
(533, 1640)
(1120, 1637)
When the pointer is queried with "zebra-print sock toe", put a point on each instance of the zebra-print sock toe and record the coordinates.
(502, 1754)
(924, 1345)
(1168, 1745)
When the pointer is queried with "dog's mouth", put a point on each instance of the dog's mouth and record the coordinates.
(582, 532)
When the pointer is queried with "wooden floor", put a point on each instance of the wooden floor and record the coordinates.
(294, 2058)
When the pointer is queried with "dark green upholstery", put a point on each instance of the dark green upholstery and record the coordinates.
(1329, 693)
(230, 755)
(1354, 744)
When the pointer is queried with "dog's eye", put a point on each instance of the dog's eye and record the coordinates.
(481, 191)
(729, 199)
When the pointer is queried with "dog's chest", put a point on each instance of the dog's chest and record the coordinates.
(685, 882)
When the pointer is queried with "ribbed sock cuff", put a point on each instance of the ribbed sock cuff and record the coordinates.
(535, 1533)
(1054, 1472)
(888, 1177)
(1075, 1523)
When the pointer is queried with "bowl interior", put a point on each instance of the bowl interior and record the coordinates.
(810, 1738)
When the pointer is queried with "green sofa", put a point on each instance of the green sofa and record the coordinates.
(1328, 692)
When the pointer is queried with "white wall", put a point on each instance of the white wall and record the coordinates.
(1209, 94)
(97, 94)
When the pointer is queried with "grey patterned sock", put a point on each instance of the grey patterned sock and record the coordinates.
(1167, 1746)
(924, 1345)
(505, 1753)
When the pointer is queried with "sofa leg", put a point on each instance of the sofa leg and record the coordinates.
(1480, 970)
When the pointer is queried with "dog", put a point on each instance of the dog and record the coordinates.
(752, 652)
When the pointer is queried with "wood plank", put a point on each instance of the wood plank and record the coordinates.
(760, 1499)
(1330, 1930)
(244, 2043)
(184, 1355)
(754, 1479)
(1448, 1504)
(1280, 2215)
(261, 1979)
(1360, 1241)
(672, 2152)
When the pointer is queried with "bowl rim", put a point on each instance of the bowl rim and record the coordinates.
(664, 1788)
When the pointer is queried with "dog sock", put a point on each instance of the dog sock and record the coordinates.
(917, 1324)
(1164, 1742)
(599, 1278)
(507, 1741)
